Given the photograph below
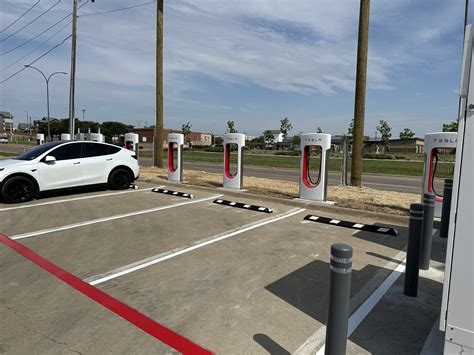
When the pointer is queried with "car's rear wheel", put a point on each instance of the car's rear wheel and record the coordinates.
(120, 179)
(18, 189)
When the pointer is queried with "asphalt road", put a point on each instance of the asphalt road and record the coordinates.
(381, 182)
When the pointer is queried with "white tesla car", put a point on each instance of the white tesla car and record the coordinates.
(66, 164)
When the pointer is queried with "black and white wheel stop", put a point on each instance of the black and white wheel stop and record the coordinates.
(243, 205)
(359, 226)
(173, 193)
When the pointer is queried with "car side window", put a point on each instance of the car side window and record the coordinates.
(66, 152)
(114, 150)
(95, 150)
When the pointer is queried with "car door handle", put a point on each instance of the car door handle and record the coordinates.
(109, 159)
(77, 163)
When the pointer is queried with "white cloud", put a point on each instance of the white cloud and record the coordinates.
(299, 47)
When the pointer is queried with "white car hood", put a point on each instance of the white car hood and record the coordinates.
(14, 163)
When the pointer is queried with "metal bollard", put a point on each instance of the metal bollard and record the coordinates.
(446, 209)
(339, 296)
(427, 234)
(415, 227)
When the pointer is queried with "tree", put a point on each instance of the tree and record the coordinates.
(268, 138)
(385, 134)
(450, 127)
(231, 127)
(112, 128)
(285, 127)
(319, 130)
(405, 136)
(84, 126)
(186, 129)
(296, 141)
(218, 141)
(350, 129)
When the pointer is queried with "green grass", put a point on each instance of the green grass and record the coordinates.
(369, 166)
(386, 167)
(7, 154)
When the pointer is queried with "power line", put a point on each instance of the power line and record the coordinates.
(19, 18)
(29, 23)
(34, 49)
(41, 56)
(115, 10)
(46, 30)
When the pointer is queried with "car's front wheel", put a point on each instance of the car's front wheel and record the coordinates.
(120, 179)
(18, 189)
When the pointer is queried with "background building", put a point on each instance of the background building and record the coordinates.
(6, 122)
(193, 138)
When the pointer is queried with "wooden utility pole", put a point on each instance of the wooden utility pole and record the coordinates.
(159, 86)
(72, 80)
(359, 105)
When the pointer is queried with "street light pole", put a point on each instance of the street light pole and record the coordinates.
(28, 121)
(83, 114)
(47, 92)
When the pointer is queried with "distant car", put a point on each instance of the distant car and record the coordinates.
(4, 140)
(66, 164)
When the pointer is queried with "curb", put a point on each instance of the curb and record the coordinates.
(381, 217)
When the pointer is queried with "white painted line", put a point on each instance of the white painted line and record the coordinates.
(334, 221)
(97, 279)
(358, 225)
(359, 315)
(111, 218)
(72, 199)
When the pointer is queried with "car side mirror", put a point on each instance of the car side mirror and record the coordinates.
(49, 159)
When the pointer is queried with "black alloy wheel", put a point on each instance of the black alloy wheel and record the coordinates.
(18, 189)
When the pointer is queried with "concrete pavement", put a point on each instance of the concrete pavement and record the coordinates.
(232, 280)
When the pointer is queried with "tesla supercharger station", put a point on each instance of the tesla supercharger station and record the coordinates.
(80, 136)
(175, 158)
(434, 142)
(457, 307)
(96, 137)
(131, 141)
(39, 138)
(234, 179)
(65, 137)
(314, 187)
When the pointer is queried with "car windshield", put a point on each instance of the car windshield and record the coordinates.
(37, 151)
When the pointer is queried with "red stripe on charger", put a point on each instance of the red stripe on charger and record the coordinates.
(141, 321)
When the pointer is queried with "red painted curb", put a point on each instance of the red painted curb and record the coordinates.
(131, 315)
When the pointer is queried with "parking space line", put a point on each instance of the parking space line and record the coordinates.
(148, 325)
(110, 218)
(97, 279)
(72, 199)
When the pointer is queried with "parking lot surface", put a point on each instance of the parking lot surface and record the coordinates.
(231, 280)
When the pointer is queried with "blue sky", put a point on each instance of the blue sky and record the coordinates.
(251, 61)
